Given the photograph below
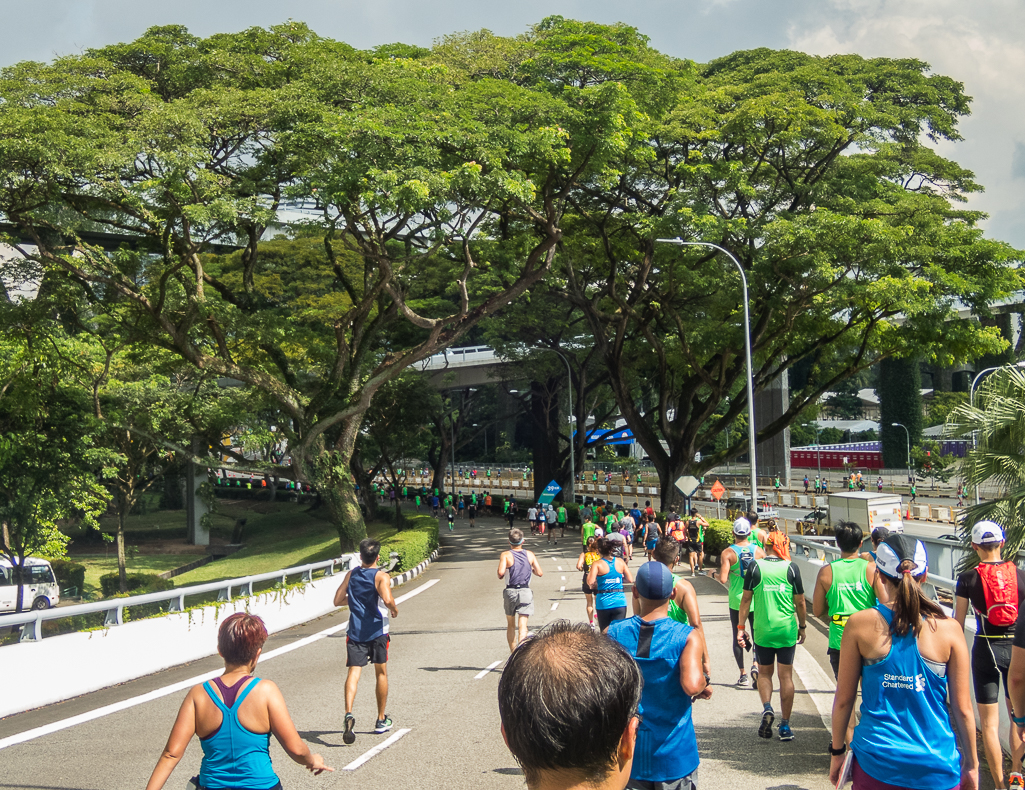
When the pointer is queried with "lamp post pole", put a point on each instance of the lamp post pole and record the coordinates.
(901, 425)
(751, 433)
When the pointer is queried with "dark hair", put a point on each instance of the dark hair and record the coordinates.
(592, 544)
(369, 550)
(752, 517)
(240, 637)
(693, 511)
(667, 551)
(879, 534)
(565, 698)
(848, 536)
(606, 546)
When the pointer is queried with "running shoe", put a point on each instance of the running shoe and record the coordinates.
(349, 736)
(765, 728)
(383, 725)
(754, 677)
(743, 679)
(1015, 782)
(785, 733)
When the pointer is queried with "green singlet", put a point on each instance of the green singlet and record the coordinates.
(677, 614)
(587, 531)
(775, 615)
(736, 579)
(850, 592)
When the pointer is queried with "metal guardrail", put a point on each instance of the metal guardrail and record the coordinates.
(113, 608)
(812, 547)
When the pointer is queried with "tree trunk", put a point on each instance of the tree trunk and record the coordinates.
(19, 578)
(343, 507)
(668, 473)
(122, 575)
(330, 472)
(364, 481)
(548, 459)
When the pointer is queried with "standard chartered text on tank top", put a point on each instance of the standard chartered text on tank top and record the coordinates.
(610, 588)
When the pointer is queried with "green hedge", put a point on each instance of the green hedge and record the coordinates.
(718, 535)
(138, 583)
(414, 543)
(69, 574)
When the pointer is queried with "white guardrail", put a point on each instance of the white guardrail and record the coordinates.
(113, 608)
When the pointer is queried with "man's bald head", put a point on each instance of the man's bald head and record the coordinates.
(566, 698)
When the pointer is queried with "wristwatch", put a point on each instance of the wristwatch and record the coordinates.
(837, 752)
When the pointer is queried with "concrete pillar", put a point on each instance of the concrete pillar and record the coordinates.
(774, 453)
(195, 508)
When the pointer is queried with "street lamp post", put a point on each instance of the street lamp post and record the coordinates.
(818, 447)
(751, 434)
(901, 425)
(971, 402)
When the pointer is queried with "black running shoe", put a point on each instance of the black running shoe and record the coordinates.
(349, 736)
(765, 728)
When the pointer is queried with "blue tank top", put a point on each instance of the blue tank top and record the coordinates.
(667, 748)
(904, 714)
(519, 573)
(610, 588)
(232, 755)
(366, 619)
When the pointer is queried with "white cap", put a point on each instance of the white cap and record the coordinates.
(987, 533)
(897, 549)
(741, 527)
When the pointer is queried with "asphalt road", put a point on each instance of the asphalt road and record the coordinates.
(442, 644)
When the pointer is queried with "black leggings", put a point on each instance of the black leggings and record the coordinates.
(738, 651)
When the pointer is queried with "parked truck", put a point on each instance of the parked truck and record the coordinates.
(867, 509)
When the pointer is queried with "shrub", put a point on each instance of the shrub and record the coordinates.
(718, 535)
(137, 583)
(69, 574)
(414, 544)
(573, 513)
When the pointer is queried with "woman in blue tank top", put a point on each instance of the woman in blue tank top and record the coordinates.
(908, 655)
(234, 717)
(607, 577)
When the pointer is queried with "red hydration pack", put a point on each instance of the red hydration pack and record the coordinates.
(1000, 587)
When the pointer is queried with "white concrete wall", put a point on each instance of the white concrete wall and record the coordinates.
(62, 667)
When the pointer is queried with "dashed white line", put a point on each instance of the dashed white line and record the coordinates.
(486, 669)
(375, 751)
(563, 588)
(555, 606)
(564, 578)
(106, 710)
(560, 567)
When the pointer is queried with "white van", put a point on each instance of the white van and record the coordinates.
(41, 592)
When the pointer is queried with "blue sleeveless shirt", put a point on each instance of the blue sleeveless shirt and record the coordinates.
(905, 737)
(367, 620)
(667, 748)
(610, 588)
(232, 755)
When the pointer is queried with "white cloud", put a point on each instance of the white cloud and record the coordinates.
(976, 43)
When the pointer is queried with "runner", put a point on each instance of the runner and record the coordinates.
(587, 558)
(734, 563)
(451, 511)
(532, 518)
(626, 529)
(417, 498)
(879, 484)
(696, 542)
(651, 533)
(843, 587)
(779, 540)
(588, 529)
(487, 502)
(776, 588)
(677, 530)
(683, 604)
(908, 656)
(669, 655)
(471, 512)
(542, 518)
(818, 484)
(511, 513)
(607, 576)
(758, 535)
(560, 518)
(635, 513)
(517, 596)
(366, 590)
(462, 505)
(995, 589)
(806, 484)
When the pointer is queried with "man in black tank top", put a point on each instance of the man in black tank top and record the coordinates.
(517, 596)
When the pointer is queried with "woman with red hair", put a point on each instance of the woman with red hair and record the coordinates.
(234, 717)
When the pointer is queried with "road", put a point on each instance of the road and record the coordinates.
(450, 631)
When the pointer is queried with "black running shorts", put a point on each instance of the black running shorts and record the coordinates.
(767, 656)
(359, 654)
(607, 616)
(991, 658)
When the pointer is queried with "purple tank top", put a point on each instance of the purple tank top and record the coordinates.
(519, 573)
(230, 693)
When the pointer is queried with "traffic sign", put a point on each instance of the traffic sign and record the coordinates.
(550, 492)
(718, 489)
(688, 485)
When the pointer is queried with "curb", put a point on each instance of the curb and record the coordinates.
(398, 581)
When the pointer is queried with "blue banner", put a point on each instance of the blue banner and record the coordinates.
(550, 492)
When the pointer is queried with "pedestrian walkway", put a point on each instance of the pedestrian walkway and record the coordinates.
(448, 646)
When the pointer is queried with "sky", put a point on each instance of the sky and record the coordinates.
(977, 42)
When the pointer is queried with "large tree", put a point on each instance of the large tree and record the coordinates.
(434, 194)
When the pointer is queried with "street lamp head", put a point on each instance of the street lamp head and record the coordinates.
(896, 425)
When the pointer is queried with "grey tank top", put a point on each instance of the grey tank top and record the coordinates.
(519, 573)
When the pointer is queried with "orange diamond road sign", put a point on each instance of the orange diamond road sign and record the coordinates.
(718, 489)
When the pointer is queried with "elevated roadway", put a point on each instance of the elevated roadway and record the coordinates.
(448, 647)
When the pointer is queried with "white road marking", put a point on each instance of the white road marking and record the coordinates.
(563, 588)
(560, 567)
(564, 578)
(375, 751)
(555, 606)
(132, 702)
(820, 686)
(485, 671)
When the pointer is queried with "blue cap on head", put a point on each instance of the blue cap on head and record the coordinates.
(654, 581)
